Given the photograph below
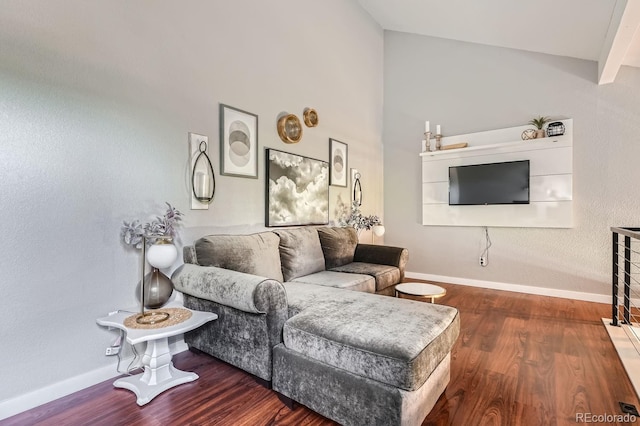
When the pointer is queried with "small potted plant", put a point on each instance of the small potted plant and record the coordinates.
(358, 221)
(133, 233)
(539, 123)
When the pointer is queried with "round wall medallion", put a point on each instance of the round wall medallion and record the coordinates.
(310, 117)
(290, 129)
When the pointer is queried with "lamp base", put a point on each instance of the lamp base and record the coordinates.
(157, 289)
(149, 318)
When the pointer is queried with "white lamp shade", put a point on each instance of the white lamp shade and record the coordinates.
(162, 255)
(378, 230)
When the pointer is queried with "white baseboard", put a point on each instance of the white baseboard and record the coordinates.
(27, 401)
(542, 291)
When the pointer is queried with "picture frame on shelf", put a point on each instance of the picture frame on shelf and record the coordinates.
(238, 142)
(297, 190)
(338, 160)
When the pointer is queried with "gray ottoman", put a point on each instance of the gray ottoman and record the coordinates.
(368, 360)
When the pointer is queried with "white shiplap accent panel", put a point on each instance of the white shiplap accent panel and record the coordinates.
(435, 193)
(551, 188)
(551, 180)
(554, 214)
(541, 188)
(556, 159)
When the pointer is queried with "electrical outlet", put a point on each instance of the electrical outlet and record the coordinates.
(483, 261)
(112, 350)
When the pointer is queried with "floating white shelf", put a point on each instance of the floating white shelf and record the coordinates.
(516, 146)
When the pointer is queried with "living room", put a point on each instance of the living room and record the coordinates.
(99, 98)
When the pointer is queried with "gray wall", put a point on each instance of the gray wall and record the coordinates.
(96, 102)
(469, 88)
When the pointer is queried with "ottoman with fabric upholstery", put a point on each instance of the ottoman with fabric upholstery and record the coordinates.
(384, 349)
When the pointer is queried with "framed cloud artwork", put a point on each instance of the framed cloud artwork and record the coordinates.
(238, 142)
(339, 175)
(297, 190)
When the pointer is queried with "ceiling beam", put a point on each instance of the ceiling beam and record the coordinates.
(625, 20)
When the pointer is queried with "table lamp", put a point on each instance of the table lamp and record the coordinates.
(378, 231)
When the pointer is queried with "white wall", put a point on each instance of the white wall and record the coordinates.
(96, 102)
(469, 88)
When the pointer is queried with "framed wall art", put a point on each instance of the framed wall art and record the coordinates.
(297, 190)
(338, 159)
(238, 142)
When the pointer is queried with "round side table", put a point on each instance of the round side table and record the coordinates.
(423, 290)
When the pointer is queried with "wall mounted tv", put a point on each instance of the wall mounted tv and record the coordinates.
(495, 183)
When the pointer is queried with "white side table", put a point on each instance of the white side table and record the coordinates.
(159, 373)
(421, 290)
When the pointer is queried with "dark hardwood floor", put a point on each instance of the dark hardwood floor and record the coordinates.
(519, 360)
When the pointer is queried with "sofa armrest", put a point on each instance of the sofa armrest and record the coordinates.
(245, 292)
(189, 255)
(382, 255)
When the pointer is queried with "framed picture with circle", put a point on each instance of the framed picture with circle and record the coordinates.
(238, 142)
(338, 170)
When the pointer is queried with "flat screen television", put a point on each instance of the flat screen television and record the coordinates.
(495, 183)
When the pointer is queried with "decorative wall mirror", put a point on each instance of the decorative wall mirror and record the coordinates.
(289, 128)
(310, 117)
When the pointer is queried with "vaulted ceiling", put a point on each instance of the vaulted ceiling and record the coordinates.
(605, 31)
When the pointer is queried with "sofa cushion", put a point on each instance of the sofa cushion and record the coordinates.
(255, 254)
(384, 275)
(300, 252)
(338, 245)
(394, 341)
(356, 282)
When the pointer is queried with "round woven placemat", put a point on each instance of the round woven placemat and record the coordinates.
(176, 316)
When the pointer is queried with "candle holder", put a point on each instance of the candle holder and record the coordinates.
(438, 142)
(437, 137)
(427, 136)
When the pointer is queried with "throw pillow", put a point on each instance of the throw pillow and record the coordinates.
(255, 254)
(338, 245)
(300, 252)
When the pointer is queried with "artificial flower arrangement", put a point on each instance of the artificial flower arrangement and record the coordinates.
(133, 233)
(358, 221)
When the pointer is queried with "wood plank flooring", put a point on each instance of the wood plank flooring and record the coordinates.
(529, 360)
(520, 360)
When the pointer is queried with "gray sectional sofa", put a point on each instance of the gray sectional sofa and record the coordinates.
(286, 315)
